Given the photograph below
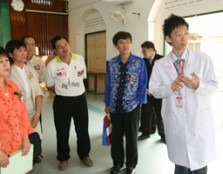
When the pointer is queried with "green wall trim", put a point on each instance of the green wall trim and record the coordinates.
(5, 33)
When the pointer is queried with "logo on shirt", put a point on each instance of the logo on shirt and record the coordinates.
(61, 72)
(80, 73)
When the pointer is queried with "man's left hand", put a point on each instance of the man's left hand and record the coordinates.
(193, 82)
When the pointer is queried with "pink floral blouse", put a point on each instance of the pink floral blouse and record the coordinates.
(14, 121)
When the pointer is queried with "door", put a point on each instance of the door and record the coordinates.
(96, 61)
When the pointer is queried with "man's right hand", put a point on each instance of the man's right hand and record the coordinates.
(107, 109)
(177, 84)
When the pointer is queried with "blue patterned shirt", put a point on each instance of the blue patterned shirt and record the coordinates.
(125, 84)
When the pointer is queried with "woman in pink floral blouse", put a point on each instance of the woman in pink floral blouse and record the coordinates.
(14, 122)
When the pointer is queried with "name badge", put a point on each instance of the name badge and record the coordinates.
(179, 101)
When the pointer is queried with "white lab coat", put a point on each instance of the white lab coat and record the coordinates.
(189, 130)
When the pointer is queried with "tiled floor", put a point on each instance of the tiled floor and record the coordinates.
(152, 153)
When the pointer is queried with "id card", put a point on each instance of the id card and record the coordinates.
(179, 101)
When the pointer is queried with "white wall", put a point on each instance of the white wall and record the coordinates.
(203, 6)
(135, 24)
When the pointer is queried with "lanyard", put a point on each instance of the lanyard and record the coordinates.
(182, 68)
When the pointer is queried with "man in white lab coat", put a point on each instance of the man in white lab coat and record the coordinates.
(185, 80)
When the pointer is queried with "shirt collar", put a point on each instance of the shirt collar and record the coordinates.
(184, 55)
(7, 82)
(20, 69)
(58, 59)
(151, 59)
(129, 59)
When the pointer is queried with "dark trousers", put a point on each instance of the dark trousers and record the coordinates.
(64, 109)
(185, 170)
(125, 125)
(148, 118)
(151, 116)
(159, 120)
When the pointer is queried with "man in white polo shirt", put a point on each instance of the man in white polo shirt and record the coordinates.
(64, 76)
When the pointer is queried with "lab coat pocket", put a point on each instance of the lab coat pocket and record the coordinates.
(205, 126)
(204, 104)
(171, 123)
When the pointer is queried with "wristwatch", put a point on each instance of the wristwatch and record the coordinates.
(17, 5)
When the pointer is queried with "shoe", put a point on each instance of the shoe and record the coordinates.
(163, 139)
(63, 165)
(37, 159)
(87, 161)
(115, 169)
(152, 131)
(130, 170)
(143, 136)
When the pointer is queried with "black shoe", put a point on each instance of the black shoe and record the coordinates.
(143, 136)
(130, 170)
(37, 159)
(163, 139)
(115, 169)
(152, 131)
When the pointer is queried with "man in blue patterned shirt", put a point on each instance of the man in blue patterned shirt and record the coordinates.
(124, 94)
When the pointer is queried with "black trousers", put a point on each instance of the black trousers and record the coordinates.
(159, 120)
(125, 125)
(184, 170)
(148, 118)
(64, 109)
(151, 116)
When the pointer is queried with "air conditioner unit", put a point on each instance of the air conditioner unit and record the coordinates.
(119, 2)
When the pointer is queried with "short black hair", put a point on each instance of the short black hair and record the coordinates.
(26, 36)
(121, 35)
(148, 44)
(3, 52)
(173, 22)
(11, 46)
(55, 39)
(14, 44)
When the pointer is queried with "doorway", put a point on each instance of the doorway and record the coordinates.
(96, 61)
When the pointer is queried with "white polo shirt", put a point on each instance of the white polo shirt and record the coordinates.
(67, 79)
